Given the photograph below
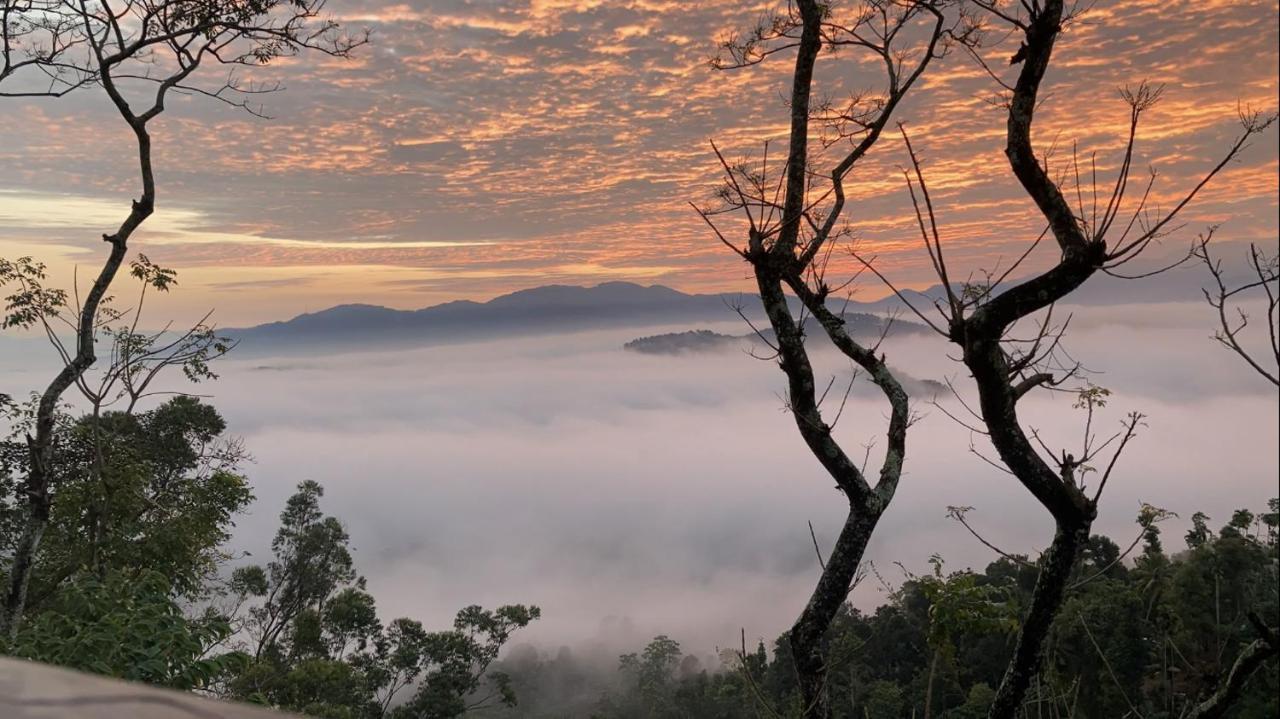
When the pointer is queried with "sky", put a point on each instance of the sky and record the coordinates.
(476, 147)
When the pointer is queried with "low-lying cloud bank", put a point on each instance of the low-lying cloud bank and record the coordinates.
(630, 495)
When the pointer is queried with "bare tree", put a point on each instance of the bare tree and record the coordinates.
(137, 52)
(791, 217)
(1226, 298)
(1096, 231)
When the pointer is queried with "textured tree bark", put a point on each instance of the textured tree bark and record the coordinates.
(798, 141)
(782, 257)
(1051, 585)
(808, 634)
(1072, 510)
(1002, 381)
(1250, 659)
(928, 687)
(776, 268)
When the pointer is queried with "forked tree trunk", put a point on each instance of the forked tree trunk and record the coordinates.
(866, 505)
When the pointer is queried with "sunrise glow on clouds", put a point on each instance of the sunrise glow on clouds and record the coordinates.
(474, 148)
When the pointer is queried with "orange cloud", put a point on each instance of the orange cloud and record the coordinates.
(470, 150)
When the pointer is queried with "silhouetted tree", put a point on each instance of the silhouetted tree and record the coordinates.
(980, 318)
(167, 484)
(792, 217)
(99, 472)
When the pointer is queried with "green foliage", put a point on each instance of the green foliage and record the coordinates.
(962, 603)
(1199, 532)
(154, 491)
(652, 674)
(311, 562)
(1148, 635)
(884, 700)
(30, 302)
(127, 626)
(1091, 397)
(152, 275)
(143, 505)
(1099, 640)
(318, 647)
(976, 704)
(127, 580)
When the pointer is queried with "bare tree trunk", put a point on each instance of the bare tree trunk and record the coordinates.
(997, 379)
(981, 325)
(1245, 665)
(808, 634)
(928, 687)
(1051, 585)
(88, 46)
(1248, 661)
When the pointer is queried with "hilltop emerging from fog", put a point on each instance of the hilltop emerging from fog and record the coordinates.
(860, 325)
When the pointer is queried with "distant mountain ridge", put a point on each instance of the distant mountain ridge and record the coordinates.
(551, 308)
(560, 308)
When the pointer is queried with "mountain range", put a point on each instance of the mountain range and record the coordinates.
(541, 310)
(562, 308)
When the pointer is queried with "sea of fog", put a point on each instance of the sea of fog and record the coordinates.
(630, 495)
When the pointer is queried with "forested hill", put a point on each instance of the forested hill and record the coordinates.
(859, 325)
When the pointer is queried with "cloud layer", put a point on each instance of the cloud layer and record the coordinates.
(630, 495)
